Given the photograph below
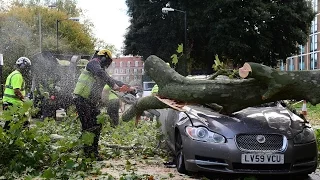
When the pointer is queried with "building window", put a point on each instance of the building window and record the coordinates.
(116, 71)
(121, 71)
(302, 49)
(127, 71)
(129, 63)
(301, 63)
(136, 63)
(127, 78)
(122, 78)
(121, 64)
(281, 66)
(315, 60)
(135, 71)
(291, 64)
(311, 43)
(315, 44)
(135, 77)
(113, 64)
(316, 24)
(311, 61)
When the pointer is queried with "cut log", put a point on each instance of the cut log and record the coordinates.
(145, 103)
(263, 84)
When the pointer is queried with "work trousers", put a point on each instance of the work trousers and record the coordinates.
(88, 112)
(113, 111)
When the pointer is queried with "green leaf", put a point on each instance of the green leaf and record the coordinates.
(174, 58)
(48, 174)
(27, 105)
(180, 48)
(28, 178)
(87, 138)
(128, 165)
(19, 143)
(70, 164)
(102, 118)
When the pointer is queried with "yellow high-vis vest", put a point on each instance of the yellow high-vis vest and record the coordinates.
(84, 84)
(14, 81)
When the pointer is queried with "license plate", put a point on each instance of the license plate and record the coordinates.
(262, 158)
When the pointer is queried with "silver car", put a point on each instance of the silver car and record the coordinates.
(257, 140)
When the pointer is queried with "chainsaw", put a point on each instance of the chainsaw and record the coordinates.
(130, 98)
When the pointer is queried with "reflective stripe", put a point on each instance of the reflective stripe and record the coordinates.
(84, 84)
(12, 96)
(9, 85)
(9, 96)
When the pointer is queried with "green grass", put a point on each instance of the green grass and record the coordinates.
(313, 113)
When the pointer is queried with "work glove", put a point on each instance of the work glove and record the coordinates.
(124, 88)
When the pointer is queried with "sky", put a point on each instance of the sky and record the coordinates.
(109, 18)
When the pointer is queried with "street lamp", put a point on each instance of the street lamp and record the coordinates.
(168, 9)
(76, 19)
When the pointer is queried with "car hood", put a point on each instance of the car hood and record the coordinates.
(260, 120)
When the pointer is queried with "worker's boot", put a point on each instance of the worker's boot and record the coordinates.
(91, 151)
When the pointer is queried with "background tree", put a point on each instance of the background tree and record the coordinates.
(19, 26)
(101, 44)
(258, 31)
(151, 32)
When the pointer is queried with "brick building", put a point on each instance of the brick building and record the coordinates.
(307, 58)
(127, 69)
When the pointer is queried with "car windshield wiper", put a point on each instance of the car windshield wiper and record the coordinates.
(214, 106)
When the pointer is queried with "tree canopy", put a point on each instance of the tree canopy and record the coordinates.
(257, 31)
(20, 23)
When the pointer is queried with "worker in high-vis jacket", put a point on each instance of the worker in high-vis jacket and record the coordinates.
(112, 104)
(87, 96)
(155, 88)
(14, 93)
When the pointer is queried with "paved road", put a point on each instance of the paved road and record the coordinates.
(314, 176)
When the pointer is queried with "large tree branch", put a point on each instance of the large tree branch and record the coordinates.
(145, 103)
(264, 85)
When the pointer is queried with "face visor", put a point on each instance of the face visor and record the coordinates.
(105, 62)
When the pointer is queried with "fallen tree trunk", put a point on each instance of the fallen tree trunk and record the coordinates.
(264, 84)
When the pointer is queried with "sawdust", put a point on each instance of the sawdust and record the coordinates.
(151, 167)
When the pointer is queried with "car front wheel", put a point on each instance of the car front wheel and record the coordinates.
(179, 155)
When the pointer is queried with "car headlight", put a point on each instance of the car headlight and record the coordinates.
(307, 135)
(203, 134)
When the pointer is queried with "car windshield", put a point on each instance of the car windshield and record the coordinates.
(147, 86)
(217, 108)
(270, 104)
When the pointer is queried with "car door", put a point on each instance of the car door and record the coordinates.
(170, 122)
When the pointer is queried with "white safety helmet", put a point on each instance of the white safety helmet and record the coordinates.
(23, 63)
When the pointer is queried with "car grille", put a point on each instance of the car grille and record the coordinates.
(261, 167)
(272, 143)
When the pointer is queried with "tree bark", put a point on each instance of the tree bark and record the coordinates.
(264, 84)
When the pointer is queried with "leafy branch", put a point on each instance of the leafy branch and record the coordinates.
(175, 57)
(222, 69)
